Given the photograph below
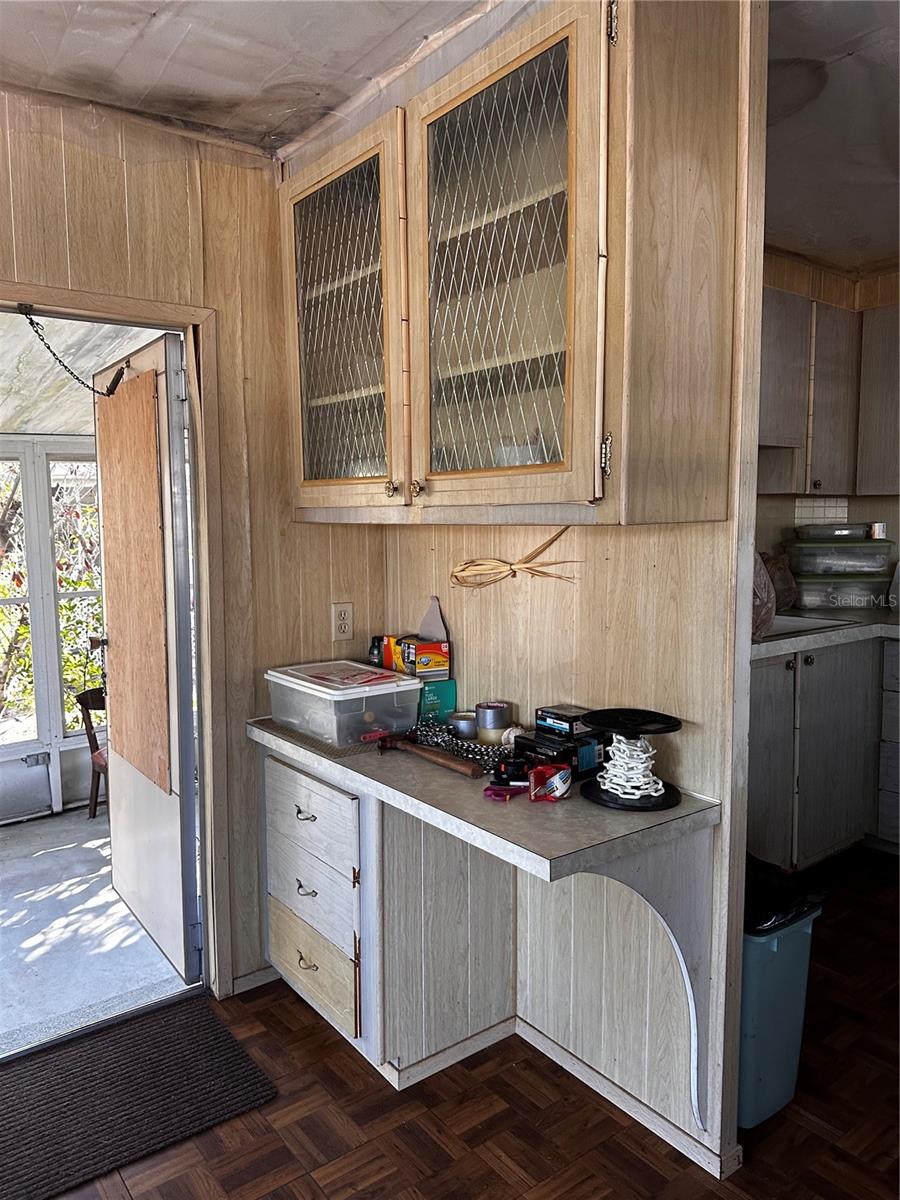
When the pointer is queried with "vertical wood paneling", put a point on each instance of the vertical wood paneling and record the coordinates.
(404, 1010)
(7, 239)
(546, 998)
(589, 917)
(667, 1073)
(96, 212)
(445, 904)
(492, 940)
(38, 190)
(624, 988)
(162, 184)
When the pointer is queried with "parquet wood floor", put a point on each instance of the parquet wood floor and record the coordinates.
(508, 1123)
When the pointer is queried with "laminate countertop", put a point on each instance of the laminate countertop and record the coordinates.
(859, 625)
(551, 841)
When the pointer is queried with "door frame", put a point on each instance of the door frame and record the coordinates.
(198, 325)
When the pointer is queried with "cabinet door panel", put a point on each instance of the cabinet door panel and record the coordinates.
(343, 254)
(832, 469)
(504, 238)
(839, 723)
(770, 787)
(784, 369)
(878, 464)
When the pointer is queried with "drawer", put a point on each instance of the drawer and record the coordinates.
(312, 890)
(890, 716)
(315, 816)
(888, 774)
(314, 967)
(891, 666)
(889, 816)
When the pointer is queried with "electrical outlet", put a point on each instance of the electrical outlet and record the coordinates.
(342, 621)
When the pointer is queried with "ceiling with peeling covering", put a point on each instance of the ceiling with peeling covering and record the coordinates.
(832, 162)
(36, 395)
(260, 72)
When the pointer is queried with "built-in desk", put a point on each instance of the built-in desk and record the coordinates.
(547, 840)
(429, 911)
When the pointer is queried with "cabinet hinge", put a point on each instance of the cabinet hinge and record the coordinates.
(612, 21)
(606, 456)
(354, 877)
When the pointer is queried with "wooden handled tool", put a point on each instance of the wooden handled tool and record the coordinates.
(440, 757)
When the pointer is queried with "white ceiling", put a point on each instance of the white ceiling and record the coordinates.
(261, 72)
(832, 179)
(36, 395)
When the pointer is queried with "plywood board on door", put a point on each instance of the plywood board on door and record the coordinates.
(134, 577)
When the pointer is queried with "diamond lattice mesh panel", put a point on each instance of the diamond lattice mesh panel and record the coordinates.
(498, 224)
(339, 302)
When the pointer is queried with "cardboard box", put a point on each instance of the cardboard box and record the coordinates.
(425, 660)
(437, 700)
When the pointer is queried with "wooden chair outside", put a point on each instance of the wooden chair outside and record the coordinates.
(94, 700)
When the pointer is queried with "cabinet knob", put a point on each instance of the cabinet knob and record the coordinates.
(390, 489)
(789, 665)
(817, 484)
(303, 964)
(416, 487)
(809, 659)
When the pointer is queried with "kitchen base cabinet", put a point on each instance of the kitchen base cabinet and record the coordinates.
(837, 761)
(770, 812)
(399, 934)
(813, 766)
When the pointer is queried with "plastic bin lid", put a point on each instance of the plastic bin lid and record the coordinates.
(341, 680)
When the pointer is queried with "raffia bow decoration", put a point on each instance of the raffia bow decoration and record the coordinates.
(482, 572)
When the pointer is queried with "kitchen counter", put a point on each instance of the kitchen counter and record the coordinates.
(861, 626)
(551, 841)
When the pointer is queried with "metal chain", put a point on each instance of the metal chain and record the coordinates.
(38, 328)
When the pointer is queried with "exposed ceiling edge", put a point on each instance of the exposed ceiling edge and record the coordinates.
(886, 267)
(379, 83)
(186, 129)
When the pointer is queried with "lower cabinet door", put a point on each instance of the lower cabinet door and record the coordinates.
(840, 728)
(313, 891)
(315, 967)
(770, 788)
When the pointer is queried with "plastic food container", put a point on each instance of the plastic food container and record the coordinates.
(343, 702)
(840, 557)
(843, 591)
(830, 533)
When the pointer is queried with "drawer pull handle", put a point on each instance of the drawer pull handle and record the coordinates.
(302, 816)
(303, 965)
(302, 891)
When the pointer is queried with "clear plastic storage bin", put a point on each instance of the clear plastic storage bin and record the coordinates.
(843, 591)
(840, 557)
(343, 702)
(831, 532)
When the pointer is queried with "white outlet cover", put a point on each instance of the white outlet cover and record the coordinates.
(341, 621)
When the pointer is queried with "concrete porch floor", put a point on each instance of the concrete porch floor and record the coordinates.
(70, 950)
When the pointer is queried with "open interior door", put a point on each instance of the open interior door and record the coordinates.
(145, 511)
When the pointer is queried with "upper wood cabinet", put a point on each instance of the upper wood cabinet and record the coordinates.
(344, 259)
(504, 176)
(835, 408)
(784, 369)
(504, 307)
(877, 463)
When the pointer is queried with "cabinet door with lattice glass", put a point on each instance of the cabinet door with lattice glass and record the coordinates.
(342, 247)
(505, 171)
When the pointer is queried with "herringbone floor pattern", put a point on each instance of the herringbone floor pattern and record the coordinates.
(509, 1123)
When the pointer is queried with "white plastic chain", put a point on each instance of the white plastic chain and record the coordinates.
(628, 773)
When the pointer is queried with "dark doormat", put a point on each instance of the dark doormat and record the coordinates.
(81, 1109)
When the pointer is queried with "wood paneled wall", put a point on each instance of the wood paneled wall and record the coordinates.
(790, 274)
(94, 200)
